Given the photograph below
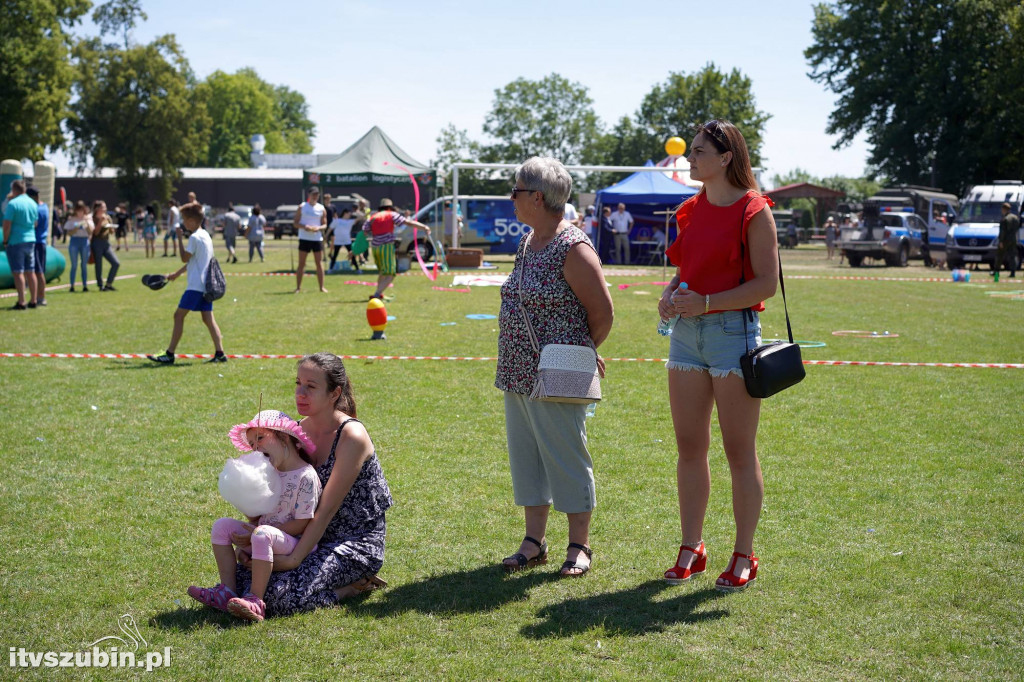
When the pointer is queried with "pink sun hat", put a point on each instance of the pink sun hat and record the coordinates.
(275, 420)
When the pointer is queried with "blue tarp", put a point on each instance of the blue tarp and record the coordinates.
(646, 188)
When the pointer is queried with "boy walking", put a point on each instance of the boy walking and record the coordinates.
(196, 256)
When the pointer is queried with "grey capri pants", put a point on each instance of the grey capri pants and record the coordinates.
(547, 454)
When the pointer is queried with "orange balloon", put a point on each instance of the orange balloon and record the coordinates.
(675, 146)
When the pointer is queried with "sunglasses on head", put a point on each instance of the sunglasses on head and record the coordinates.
(714, 130)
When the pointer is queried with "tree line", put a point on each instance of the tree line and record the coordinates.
(555, 117)
(134, 107)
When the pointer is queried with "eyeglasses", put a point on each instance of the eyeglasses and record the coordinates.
(517, 190)
(714, 129)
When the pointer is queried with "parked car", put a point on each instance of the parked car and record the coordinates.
(284, 217)
(974, 237)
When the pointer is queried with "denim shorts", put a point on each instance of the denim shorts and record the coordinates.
(21, 257)
(39, 255)
(712, 343)
(193, 300)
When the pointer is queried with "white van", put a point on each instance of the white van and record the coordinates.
(974, 237)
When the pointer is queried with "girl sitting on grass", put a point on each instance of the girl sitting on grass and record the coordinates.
(288, 448)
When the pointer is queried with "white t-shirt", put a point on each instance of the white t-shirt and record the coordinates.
(342, 231)
(590, 225)
(570, 214)
(201, 247)
(311, 215)
(173, 218)
(621, 221)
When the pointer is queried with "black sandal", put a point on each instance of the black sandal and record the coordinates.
(521, 562)
(571, 565)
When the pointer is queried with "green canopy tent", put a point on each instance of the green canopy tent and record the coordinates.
(375, 161)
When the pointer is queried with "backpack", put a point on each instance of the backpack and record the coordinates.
(215, 282)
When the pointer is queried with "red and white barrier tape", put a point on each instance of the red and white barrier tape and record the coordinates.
(264, 356)
(880, 279)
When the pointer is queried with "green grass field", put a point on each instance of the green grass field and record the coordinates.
(890, 538)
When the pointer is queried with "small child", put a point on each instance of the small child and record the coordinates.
(286, 445)
(342, 229)
(149, 231)
(196, 256)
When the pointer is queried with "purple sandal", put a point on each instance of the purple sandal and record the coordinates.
(216, 597)
(249, 607)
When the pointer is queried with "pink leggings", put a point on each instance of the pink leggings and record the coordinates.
(265, 539)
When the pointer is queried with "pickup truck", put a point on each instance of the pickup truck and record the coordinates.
(900, 223)
(895, 235)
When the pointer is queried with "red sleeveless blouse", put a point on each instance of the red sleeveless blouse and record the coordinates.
(706, 251)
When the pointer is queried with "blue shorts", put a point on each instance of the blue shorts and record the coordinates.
(21, 257)
(193, 300)
(40, 258)
(712, 343)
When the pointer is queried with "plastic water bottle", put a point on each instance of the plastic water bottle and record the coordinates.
(591, 409)
(665, 326)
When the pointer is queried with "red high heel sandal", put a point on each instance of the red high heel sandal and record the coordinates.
(730, 581)
(680, 574)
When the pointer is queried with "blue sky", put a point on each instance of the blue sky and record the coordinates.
(414, 67)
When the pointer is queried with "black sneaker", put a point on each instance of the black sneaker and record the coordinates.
(164, 359)
(31, 306)
(109, 287)
(85, 288)
(217, 357)
(18, 306)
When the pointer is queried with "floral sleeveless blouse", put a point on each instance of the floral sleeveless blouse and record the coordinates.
(556, 314)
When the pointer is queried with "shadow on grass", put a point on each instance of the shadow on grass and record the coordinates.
(629, 612)
(481, 589)
(149, 365)
(186, 619)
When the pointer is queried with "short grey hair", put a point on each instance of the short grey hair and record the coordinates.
(549, 177)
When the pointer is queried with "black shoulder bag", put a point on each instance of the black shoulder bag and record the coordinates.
(771, 367)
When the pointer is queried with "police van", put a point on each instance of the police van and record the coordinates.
(900, 223)
(488, 223)
(974, 237)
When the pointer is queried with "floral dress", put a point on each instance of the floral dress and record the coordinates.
(556, 314)
(352, 546)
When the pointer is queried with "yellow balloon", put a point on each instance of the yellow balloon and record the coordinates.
(675, 146)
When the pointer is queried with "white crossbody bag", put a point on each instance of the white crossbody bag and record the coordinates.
(565, 373)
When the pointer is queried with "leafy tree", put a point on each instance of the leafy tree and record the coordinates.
(119, 16)
(291, 113)
(550, 117)
(135, 112)
(627, 144)
(243, 104)
(455, 146)
(856, 189)
(936, 86)
(684, 101)
(35, 73)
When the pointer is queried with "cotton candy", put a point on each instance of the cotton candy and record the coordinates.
(251, 483)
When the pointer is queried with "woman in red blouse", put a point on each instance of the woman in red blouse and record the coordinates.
(726, 255)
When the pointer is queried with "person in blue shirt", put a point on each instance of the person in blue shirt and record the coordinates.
(20, 218)
(39, 254)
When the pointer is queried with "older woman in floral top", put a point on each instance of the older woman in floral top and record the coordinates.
(566, 298)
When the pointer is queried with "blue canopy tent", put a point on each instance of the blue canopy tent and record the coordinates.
(646, 196)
